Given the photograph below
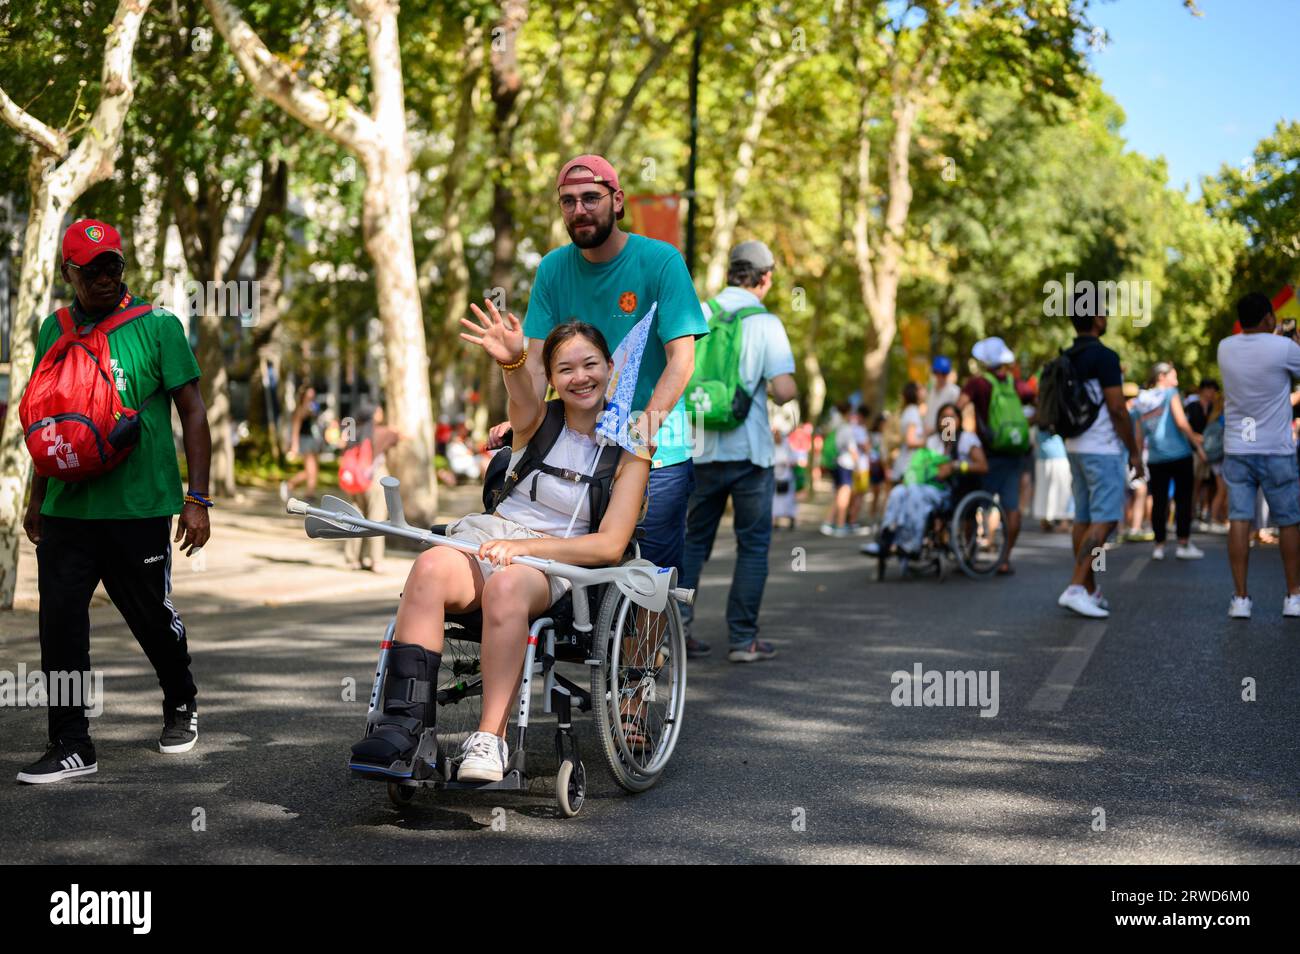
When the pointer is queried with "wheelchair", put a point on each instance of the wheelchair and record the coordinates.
(622, 624)
(972, 533)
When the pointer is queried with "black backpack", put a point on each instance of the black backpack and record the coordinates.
(1065, 408)
(500, 480)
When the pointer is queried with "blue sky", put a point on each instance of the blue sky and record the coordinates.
(1201, 91)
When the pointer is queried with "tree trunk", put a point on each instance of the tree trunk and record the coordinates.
(269, 265)
(506, 84)
(881, 300)
(40, 251)
(57, 177)
(726, 202)
(409, 405)
(379, 140)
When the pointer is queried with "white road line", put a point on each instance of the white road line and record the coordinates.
(1131, 571)
(1054, 692)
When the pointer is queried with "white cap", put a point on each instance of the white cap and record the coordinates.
(992, 352)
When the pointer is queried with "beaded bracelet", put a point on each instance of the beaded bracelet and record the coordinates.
(192, 496)
(515, 365)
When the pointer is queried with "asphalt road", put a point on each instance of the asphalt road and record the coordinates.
(803, 758)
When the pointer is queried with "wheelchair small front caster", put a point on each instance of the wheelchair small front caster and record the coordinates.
(570, 787)
(400, 795)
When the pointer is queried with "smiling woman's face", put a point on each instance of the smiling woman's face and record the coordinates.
(579, 373)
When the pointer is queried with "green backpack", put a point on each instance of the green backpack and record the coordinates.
(923, 467)
(829, 451)
(715, 396)
(1008, 427)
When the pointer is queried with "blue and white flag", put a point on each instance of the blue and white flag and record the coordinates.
(615, 422)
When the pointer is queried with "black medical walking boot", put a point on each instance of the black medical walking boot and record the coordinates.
(400, 741)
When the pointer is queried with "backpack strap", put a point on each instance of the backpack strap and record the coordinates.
(740, 314)
(602, 489)
(64, 318)
(124, 317)
(539, 445)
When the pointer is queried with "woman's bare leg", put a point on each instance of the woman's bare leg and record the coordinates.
(513, 596)
(441, 579)
(312, 470)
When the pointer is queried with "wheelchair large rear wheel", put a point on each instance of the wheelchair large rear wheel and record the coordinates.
(978, 534)
(639, 688)
(460, 692)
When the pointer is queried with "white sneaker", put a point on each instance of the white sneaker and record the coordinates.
(828, 529)
(483, 758)
(1291, 605)
(1081, 601)
(1240, 607)
(284, 491)
(1100, 600)
(1189, 552)
(1158, 552)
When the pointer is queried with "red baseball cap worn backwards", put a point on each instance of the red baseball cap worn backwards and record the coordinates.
(598, 171)
(89, 238)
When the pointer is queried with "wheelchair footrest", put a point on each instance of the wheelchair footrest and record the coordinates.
(512, 781)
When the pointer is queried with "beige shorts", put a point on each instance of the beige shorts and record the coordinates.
(481, 527)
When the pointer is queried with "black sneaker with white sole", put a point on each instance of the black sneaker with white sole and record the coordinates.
(62, 760)
(180, 729)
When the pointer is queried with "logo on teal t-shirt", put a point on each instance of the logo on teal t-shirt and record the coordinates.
(613, 296)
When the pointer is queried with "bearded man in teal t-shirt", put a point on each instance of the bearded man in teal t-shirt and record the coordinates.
(610, 279)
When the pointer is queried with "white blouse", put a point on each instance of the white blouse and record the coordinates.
(557, 499)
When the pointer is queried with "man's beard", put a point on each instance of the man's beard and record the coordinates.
(597, 237)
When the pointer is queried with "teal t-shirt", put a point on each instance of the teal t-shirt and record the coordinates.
(613, 296)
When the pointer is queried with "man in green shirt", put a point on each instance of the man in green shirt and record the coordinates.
(116, 528)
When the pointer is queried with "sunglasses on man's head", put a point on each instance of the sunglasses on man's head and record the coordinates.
(110, 265)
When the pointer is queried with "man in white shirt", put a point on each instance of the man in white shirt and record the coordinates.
(737, 464)
(1259, 452)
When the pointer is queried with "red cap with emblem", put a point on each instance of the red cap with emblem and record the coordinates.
(88, 239)
(591, 168)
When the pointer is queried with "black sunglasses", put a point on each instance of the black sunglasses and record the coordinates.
(109, 265)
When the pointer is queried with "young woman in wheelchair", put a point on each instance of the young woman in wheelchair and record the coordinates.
(936, 473)
(545, 514)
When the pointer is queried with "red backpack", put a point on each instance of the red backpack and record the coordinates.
(357, 468)
(73, 418)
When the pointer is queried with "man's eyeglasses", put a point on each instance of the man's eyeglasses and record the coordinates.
(589, 200)
(109, 265)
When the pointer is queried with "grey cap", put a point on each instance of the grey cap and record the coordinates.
(754, 254)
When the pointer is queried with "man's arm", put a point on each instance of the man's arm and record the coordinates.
(778, 361)
(783, 388)
(670, 386)
(32, 519)
(192, 529)
(1123, 424)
